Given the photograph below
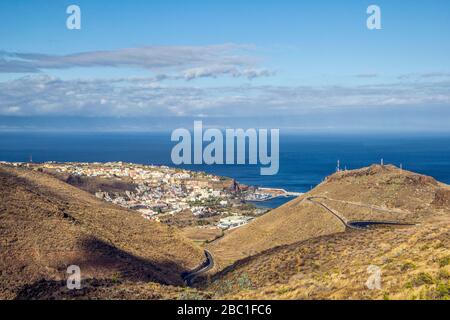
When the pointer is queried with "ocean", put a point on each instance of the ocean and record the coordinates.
(305, 159)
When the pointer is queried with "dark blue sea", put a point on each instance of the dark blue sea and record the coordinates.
(305, 159)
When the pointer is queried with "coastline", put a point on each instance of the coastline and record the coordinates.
(170, 195)
(304, 159)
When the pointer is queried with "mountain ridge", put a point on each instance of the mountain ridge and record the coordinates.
(413, 260)
(47, 225)
(372, 193)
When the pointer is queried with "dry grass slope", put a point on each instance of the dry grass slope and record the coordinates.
(381, 193)
(415, 260)
(47, 225)
(298, 251)
(297, 220)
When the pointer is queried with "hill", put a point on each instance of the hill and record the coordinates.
(379, 193)
(413, 261)
(47, 225)
(307, 249)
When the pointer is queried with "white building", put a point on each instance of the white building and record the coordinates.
(233, 222)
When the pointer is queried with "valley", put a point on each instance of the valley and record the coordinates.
(321, 245)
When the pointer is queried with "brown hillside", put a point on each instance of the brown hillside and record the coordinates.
(414, 263)
(297, 220)
(379, 193)
(414, 260)
(47, 225)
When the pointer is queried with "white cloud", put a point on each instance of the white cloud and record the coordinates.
(44, 95)
(174, 62)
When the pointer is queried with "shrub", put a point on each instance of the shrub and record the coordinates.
(116, 277)
(408, 266)
(224, 287)
(445, 261)
(244, 282)
(421, 279)
(189, 294)
(443, 291)
(440, 292)
(283, 290)
(443, 274)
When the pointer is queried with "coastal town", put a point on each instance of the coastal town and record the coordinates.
(174, 196)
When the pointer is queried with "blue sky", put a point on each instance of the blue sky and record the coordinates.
(306, 65)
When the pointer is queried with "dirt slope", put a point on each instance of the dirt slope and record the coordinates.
(47, 225)
(414, 261)
(377, 193)
(297, 220)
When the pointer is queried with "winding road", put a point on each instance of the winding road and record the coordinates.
(334, 213)
(358, 225)
(207, 265)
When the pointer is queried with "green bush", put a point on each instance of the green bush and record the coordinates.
(283, 290)
(421, 279)
(408, 266)
(224, 287)
(244, 282)
(440, 292)
(116, 277)
(444, 261)
(443, 274)
(443, 291)
(189, 294)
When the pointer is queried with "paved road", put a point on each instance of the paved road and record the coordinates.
(368, 206)
(359, 225)
(333, 212)
(207, 265)
(367, 224)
